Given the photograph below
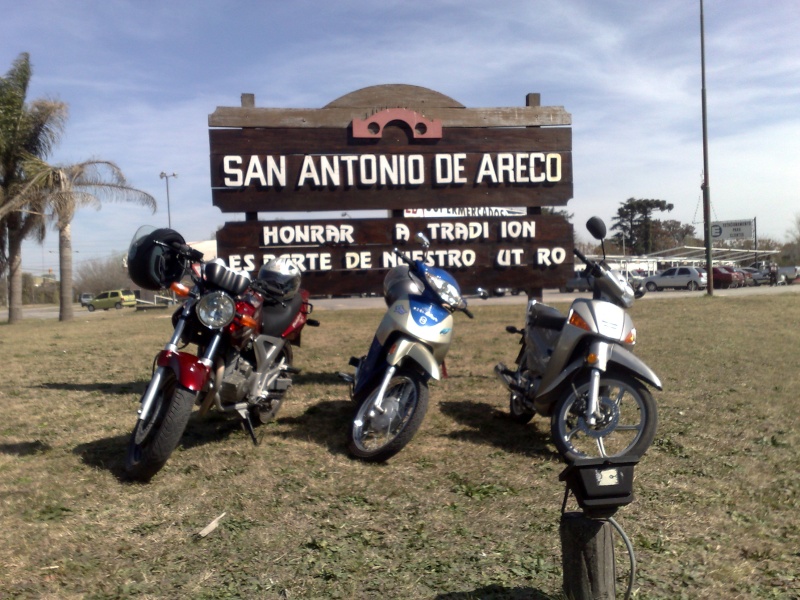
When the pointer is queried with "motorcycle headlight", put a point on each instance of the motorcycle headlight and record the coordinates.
(216, 310)
(446, 290)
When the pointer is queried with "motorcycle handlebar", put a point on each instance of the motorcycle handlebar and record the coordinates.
(467, 312)
(580, 255)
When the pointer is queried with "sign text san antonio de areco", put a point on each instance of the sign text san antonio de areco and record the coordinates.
(488, 171)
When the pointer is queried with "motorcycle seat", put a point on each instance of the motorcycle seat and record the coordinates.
(276, 317)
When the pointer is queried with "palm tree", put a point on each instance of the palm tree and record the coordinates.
(26, 130)
(64, 189)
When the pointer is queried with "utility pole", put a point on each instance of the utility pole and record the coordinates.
(706, 186)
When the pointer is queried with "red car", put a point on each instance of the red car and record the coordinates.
(725, 278)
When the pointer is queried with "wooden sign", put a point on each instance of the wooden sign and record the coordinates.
(339, 256)
(404, 150)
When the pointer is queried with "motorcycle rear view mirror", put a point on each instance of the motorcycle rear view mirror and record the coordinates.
(596, 227)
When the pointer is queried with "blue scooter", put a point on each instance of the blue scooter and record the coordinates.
(390, 383)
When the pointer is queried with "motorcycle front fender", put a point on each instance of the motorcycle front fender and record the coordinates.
(419, 353)
(618, 357)
(629, 361)
(189, 370)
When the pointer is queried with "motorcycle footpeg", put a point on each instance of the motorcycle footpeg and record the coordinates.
(291, 370)
(312, 322)
(346, 377)
(354, 362)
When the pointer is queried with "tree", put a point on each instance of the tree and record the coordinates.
(94, 276)
(672, 233)
(26, 131)
(634, 222)
(64, 189)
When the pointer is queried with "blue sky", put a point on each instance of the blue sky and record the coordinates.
(142, 77)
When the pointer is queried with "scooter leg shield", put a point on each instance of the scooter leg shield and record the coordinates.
(417, 352)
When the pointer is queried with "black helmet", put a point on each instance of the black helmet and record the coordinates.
(152, 263)
(282, 276)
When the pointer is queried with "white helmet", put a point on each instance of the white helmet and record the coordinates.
(282, 276)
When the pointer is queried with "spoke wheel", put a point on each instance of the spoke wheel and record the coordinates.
(377, 434)
(626, 425)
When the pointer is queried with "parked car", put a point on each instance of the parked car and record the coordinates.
(112, 299)
(85, 298)
(723, 278)
(578, 283)
(690, 278)
(759, 277)
(746, 275)
(738, 278)
(785, 274)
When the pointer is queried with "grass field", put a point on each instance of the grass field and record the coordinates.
(470, 509)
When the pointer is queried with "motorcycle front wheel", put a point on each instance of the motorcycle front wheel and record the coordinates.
(154, 439)
(627, 424)
(378, 434)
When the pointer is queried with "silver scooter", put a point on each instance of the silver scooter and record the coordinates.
(580, 370)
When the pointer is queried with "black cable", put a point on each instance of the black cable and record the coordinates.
(629, 546)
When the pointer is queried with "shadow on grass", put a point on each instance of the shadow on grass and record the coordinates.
(325, 423)
(115, 388)
(25, 448)
(326, 378)
(105, 453)
(497, 592)
(109, 453)
(485, 424)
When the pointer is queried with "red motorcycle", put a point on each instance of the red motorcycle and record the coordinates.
(243, 330)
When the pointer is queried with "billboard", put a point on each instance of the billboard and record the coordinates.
(421, 158)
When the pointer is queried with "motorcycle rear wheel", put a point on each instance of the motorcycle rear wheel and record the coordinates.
(377, 436)
(628, 425)
(153, 441)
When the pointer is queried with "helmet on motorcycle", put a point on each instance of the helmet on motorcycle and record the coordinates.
(152, 264)
(282, 276)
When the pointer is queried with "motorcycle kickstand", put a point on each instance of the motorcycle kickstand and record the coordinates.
(247, 425)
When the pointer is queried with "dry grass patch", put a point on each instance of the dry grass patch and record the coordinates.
(469, 509)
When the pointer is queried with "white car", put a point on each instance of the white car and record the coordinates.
(690, 278)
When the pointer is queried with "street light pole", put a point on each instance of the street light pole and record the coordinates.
(706, 186)
(165, 176)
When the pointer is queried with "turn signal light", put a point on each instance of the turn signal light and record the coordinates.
(592, 358)
(180, 289)
(247, 321)
(578, 321)
(630, 339)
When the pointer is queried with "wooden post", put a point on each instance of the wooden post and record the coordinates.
(587, 557)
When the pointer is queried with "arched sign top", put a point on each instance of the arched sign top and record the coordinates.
(420, 126)
(394, 95)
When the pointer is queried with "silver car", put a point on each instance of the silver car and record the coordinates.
(690, 278)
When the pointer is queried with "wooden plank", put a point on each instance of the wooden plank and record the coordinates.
(396, 139)
(523, 116)
(471, 147)
(351, 256)
(228, 200)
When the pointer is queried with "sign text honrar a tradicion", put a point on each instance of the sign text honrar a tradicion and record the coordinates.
(425, 155)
